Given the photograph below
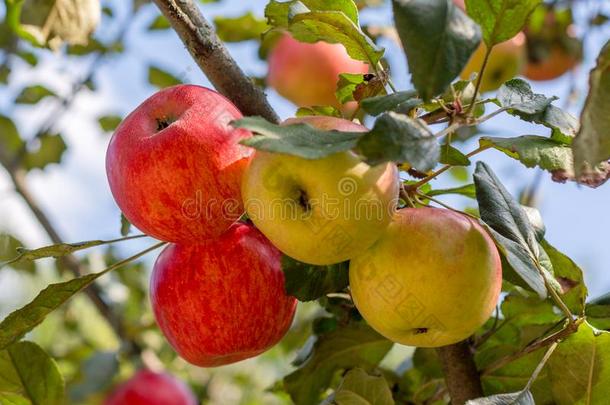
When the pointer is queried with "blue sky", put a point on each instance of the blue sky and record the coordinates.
(76, 193)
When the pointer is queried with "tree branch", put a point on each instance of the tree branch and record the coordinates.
(213, 58)
(461, 375)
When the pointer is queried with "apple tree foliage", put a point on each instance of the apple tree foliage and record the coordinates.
(546, 344)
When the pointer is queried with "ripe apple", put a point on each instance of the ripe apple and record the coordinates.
(307, 74)
(222, 300)
(556, 63)
(175, 165)
(505, 62)
(431, 280)
(150, 388)
(320, 211)
(460, 4)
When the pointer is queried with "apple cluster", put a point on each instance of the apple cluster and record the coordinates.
(178, 172)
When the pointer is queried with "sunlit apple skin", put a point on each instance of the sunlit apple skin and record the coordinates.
(223, 300)
(505, 62)
(307, 74)
(180, 183)
(150, 388)
(320, 211)
(431, 280)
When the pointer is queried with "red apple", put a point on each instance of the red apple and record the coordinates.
(150, 388)
(223, 300)
(554, 64)
(175, 165)
(307, 74)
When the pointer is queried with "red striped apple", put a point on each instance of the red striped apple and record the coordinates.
(320, 211)
(222, 300)
(150, 388)
(175, 165)
(431, 280)
(307, 74)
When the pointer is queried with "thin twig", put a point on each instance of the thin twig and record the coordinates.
(479, 80)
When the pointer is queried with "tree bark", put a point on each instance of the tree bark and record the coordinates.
(213, 58)
(461, 375)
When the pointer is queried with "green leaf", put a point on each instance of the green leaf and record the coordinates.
(243, 28)
(58, 250)
(159, 23)
(9, 246)
(355, 345)
(326, 110)
(28, 57)
(125, 225)
(452, 156)
(517, 95)
(109, 123)
(347, 84)
(26, 318)
(96, 374)
(578, 369)
(33, 94)
(515, 398)
(10, 141)
(551, 155)
(307, 282)
(592, 144)
(500, 20)
(467, 190)
(50, 149)
(570, 276)
(522, 311)
(512, 231)
(360, 388)
(333, 21)
(401, 139)
(438, 39)
(29, 376)
(297, 139)
(401, 102)
(160, 78)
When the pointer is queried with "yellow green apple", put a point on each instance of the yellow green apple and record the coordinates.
(505, 62)
(431, 280)
(321, 211)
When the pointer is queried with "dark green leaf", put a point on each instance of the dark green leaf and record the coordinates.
(360, 388)
(28, 57)
(5, 72)
(452, 156)
(297, 139)
(29, 376)
(307, 282)
(500, 20)
(50, 149)
(401, 102)
(592, 144)
(109, 123)
(159, 23)
(515, 398)
(355, 345)
(92, 46)
(512, 231)
(517, 94)
(347, 84)
(578, 368)
(243, 28)
(96, 374)
(9, 246)
(438, 39)
(467, 190)
(160, 78)
(398, 138)
(33, 94)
